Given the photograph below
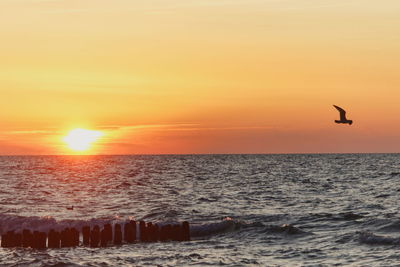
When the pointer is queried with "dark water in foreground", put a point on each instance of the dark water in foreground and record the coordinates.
(343, 209)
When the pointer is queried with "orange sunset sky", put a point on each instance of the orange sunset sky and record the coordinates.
(200, 76)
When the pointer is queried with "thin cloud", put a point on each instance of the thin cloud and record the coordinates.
(184, 127)
(232, 128)
(28, 132)
(146, 126)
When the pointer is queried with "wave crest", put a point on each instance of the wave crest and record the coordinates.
(374, 239)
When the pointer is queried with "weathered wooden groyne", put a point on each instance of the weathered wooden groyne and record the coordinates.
(95, 237)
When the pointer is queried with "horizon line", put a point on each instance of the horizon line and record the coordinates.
(197, 154)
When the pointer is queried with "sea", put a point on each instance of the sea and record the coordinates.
(243, 210)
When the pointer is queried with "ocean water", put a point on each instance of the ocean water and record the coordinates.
(244, 210)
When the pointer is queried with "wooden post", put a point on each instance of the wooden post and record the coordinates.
(5, 240)
(54, 239)
(27, 238)
(74, 237)
(65, 237)
(117, 234)
(168, 232)
(152, 232)
(133, 223)
(143, 231)
(108, 232)
(86, 235)
(11, 242)
(103, 238)
(149, 232)
(130, 232)
(186, 231)
(180, 233)
(156, 232)
(95, 236)
(41, 242)
(163, 236)
(36, 239)
(18, 239)
(175, 232)
(127, 232)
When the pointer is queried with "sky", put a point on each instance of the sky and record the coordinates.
(200, 76)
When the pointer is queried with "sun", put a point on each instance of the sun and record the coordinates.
(81, 139)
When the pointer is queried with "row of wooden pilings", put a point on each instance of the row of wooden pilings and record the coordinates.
(94, 237)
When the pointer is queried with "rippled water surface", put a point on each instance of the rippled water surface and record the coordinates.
(266, 210)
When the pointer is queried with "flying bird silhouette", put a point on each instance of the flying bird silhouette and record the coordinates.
(342, 116)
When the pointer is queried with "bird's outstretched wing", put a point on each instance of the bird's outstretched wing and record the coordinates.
(342, 113)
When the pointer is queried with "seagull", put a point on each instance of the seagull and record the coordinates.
(342, 116)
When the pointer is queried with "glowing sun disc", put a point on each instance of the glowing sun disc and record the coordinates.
(81, 139)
